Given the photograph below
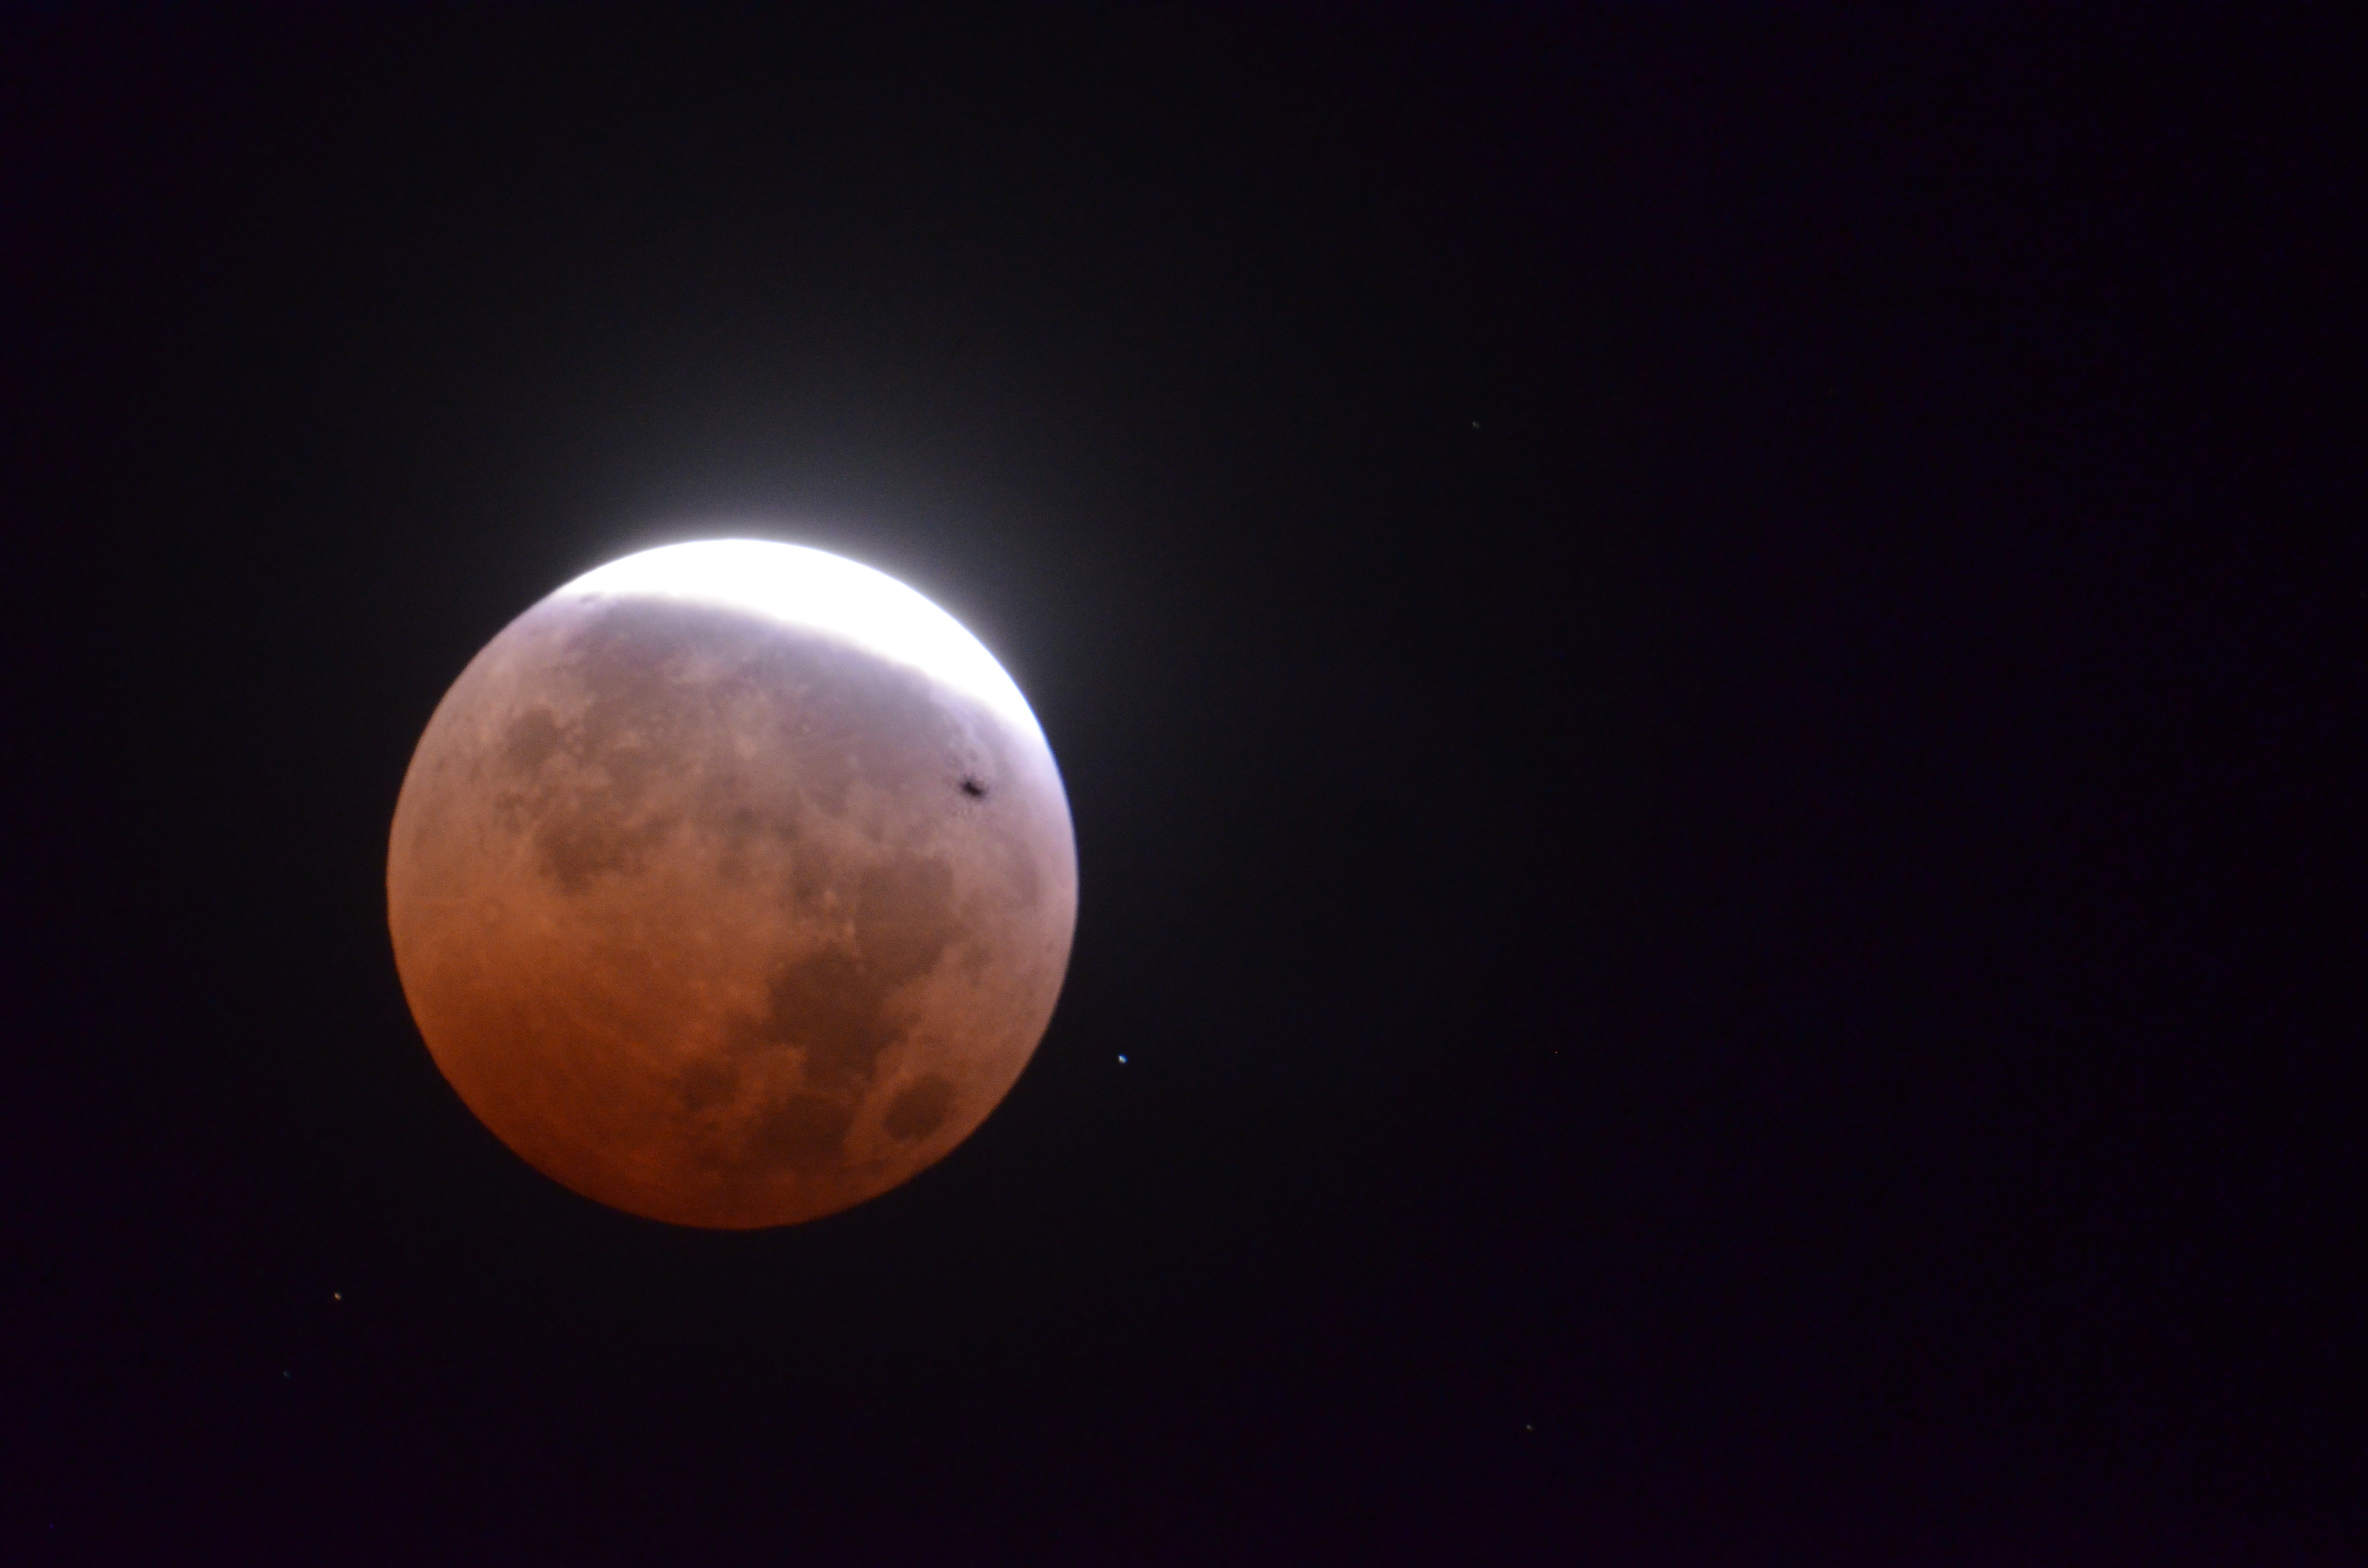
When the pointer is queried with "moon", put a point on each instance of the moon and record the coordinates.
(733, 885)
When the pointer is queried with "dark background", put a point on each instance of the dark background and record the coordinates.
(1709, 666)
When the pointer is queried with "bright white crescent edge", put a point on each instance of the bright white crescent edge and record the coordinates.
(811, 588)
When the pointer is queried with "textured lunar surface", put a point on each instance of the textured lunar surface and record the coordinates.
(722, 918)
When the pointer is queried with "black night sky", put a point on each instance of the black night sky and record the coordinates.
(1710, 671)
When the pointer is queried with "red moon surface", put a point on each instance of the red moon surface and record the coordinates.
(733, 885)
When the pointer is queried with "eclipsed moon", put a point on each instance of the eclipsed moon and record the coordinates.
(733, 885)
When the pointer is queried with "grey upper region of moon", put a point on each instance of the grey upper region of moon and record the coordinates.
(733, 885)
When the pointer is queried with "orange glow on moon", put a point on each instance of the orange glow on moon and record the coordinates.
(732, 884)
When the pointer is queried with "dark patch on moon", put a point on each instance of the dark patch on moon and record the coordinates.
(919, 1109)
(833, 1007)
(575, 847)
(802, 1131)
(704, 1084)
(532, 739)
(824, 1007)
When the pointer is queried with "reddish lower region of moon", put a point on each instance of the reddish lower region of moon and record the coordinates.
(725, 909)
